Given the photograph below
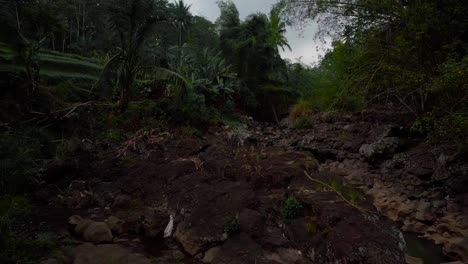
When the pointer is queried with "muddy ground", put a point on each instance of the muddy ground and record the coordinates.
(369, 178)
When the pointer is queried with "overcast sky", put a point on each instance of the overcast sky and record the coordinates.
(303, 44)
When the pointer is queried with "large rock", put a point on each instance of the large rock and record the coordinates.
(210, 255)
(103, 254)
(239, 250)
(122, 201)
(194, 239)
(98, 232)
(380, 149)
(154, 222)
(115, 224)
(413, 260)
(189, 241)
(92, 231)
(423, 212)
(75, 220)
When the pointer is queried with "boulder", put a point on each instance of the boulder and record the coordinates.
(92, 231)
(115, 224)
(184, 236)
(423, 212)
(82, 226)
(413, 260)
(154, 222)
(286, 256)
(98, 232)
(75, 220)
(122, 201)
(385, 147)
(210, 254)
(103, 254)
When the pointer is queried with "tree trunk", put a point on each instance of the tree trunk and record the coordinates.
(83, 28)
(63, 42)
(77, 17)
(275, 115)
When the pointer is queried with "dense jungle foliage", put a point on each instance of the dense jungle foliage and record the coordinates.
(101, 70)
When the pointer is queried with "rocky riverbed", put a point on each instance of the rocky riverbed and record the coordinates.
(360, 180)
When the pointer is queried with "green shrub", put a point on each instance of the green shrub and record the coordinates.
(450, 127)
(353, 197)
(311, 226)
(16, 245)
(423, 125)
(451, 85)
(300, 110)
(303, 123)
(293, 208)
(19, 152)
(232, 224)
(69, 92)
(193, 110)
(67, 148)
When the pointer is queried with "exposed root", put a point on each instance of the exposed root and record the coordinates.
(339, 194)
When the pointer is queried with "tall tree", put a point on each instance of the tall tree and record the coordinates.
(278, 28)
(133, 21)
(229, 28)
(182, 18)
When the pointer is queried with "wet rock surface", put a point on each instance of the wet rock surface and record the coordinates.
(248, 173)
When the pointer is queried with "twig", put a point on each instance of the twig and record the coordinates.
(339, 194)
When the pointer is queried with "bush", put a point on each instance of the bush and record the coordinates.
(293, 208)
(423, 125)
(450, 127)
(192, 110)
(16, 245)
(451, 86)
(232, 224)
(301, 109)
(68, 92)
(303, 123)
(19, 152)
(68, 148)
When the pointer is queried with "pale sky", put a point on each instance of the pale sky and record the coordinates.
(304, 45)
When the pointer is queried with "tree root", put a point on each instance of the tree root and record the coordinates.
(339, 194)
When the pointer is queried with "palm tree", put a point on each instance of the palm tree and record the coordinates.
(182, 19)
(133, 22)
(278, 28)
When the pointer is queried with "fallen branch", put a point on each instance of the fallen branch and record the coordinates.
(339, 194)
